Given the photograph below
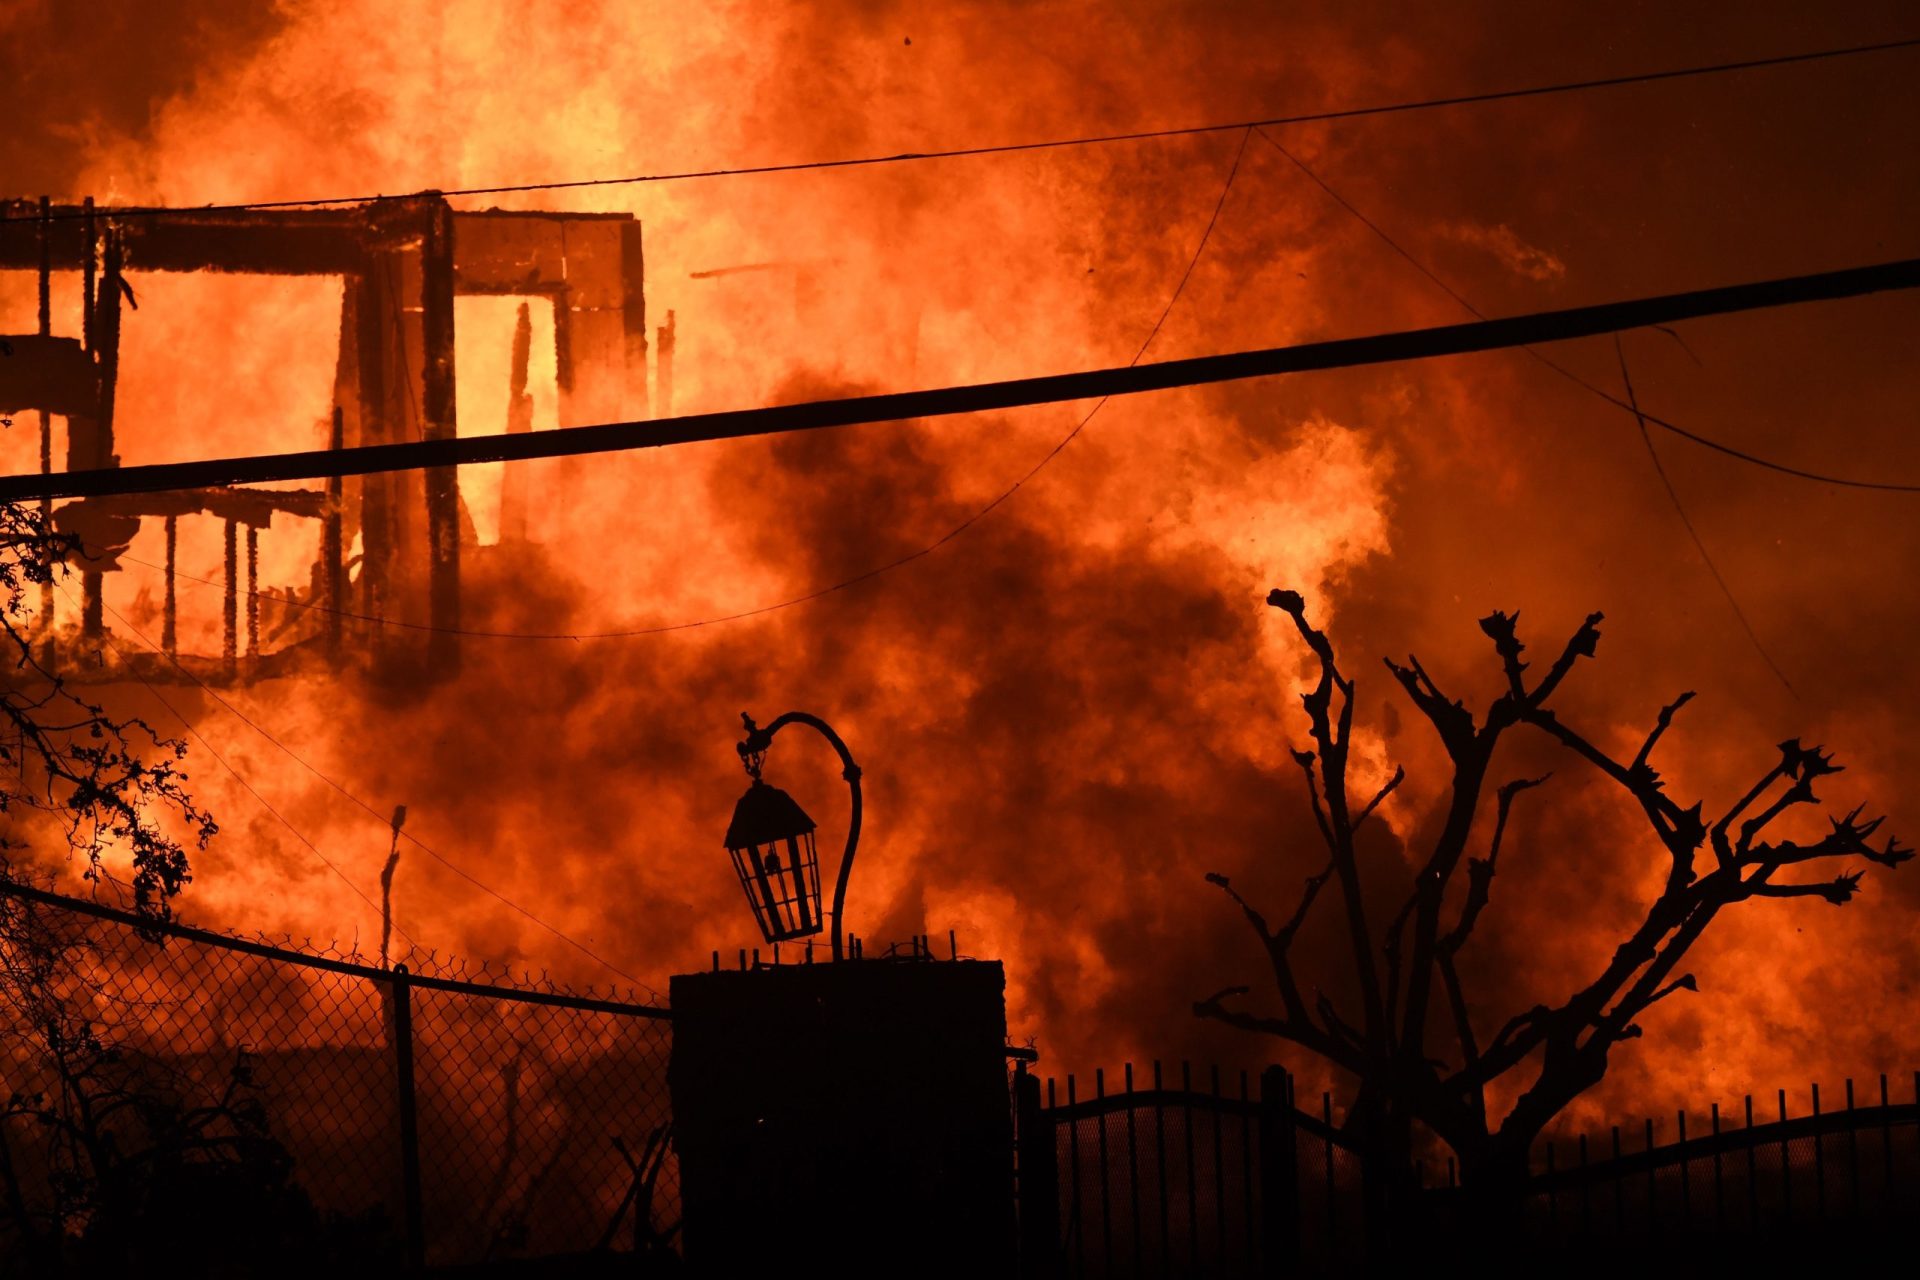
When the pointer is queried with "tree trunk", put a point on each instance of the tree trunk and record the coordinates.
(1389, 1190)
(1492, 1214)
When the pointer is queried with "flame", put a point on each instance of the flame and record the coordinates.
(1070, 713)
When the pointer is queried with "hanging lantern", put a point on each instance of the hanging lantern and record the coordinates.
(771, 840)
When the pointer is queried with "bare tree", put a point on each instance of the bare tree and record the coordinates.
(68, 769)
(91, 1137)
(1406, 974)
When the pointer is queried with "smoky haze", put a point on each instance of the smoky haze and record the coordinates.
(1072, 712)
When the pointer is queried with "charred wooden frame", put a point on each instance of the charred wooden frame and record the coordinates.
(402, 263)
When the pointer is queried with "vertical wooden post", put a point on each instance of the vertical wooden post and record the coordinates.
(1279, 1175)
(1039, 1186)
(663, 373)
(372, 301)
(514, 476)
(230, 613)
(332, 545)
(90, 266)
(415, 1223)
(169, 620)
(633, 273)
(106, 340)
(46, 419)
(253, 594)
(442, 483)
(88, 435)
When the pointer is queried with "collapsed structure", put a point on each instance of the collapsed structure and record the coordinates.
(391, 545)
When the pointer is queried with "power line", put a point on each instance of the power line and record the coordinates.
(1885, 486)
(1639, 416)
(297, 759)
(1103, 139)
(1132, 379)
(1699, 544)
(239, 777)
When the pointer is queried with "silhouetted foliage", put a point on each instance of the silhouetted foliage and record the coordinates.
(1403, 1079)
(113, 1160)
(105, 785)
(107, 1156)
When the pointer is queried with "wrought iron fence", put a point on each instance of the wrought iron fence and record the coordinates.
(1177, 1180)
(1183, 1178)
(1749, 1176)
(409, 1116)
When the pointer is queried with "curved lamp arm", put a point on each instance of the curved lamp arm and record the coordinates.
(758, 740)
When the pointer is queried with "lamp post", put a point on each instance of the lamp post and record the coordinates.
(771, 841)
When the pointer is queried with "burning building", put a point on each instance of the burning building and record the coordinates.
(383, 541)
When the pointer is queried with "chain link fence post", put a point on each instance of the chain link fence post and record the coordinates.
(416, 1227)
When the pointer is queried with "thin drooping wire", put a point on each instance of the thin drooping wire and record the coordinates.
(238, 777)
(383, 820)
(1633, 406)
(899, 562)
(1680, 510)
(1140, 135)
(1885, 486)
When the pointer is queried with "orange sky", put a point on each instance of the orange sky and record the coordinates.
(1071, 713)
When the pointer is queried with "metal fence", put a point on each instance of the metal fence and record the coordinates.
(1186, 1179)
(1178, 1178)
(1749, 1176)
(410, 1116)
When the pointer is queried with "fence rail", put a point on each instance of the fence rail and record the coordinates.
(1185, 1181)
(404, 1116)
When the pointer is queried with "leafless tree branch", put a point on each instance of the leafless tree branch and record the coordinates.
(1571, 1040)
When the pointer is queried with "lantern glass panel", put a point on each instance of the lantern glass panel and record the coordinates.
(782, 883)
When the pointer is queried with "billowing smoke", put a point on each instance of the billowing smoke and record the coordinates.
(1071, 712)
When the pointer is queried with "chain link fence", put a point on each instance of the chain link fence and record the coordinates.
(174, 1092)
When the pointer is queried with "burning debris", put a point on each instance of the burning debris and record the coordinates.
(388, 539)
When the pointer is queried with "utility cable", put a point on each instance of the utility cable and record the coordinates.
(1633, 403)
(1801, 473)
(239, 777)
(899, 562)
(1138, 135)
(1673, 495)
(383, 819)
